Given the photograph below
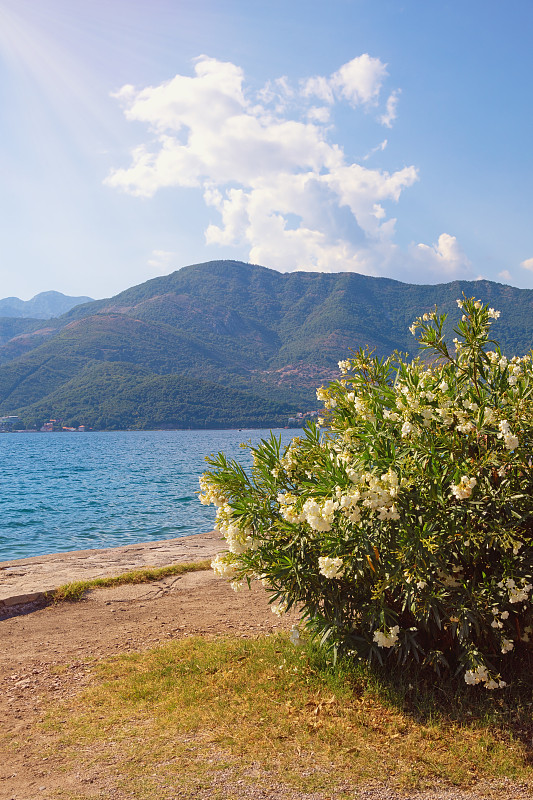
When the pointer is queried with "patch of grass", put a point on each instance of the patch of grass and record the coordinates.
(202, 714)
(75, 591)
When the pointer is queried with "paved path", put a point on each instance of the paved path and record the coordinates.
(26, 580)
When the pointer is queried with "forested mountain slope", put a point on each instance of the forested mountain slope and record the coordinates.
(265, 339)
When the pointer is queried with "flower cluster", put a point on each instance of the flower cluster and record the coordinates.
(210, 494)
(387, 639)
(517, 594)
(463, 490)
(331, 567)
(239, 539)
(224, 566)
(511, 442)
(481, 675)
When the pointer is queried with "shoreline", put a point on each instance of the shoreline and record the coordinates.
(26, 581)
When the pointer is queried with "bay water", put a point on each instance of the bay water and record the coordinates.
(77, 491)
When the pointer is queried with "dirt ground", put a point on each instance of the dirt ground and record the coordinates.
(126, 618)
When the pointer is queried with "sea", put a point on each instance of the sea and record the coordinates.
(78, 491)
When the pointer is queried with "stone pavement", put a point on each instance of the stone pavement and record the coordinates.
(27, 580)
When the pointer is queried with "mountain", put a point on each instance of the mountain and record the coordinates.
(43, 306)
(222, 344)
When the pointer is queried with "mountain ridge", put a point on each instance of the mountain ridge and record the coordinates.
(44, 305)
(240, 327)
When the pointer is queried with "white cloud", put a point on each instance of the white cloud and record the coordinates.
(527, 264)
(318, 114)
(360, 80)
(505, 275)
(268, 168)
(377, 149)
(318, 87)
(444, 260)
(391, 112)
(161, 261)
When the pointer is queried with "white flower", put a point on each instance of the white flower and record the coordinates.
(507, 645)
(407, 428)
(279, 608)
(504, 428)
(210, 494)
(478, 675)
(463, 489)
(493, 314)
(392, 415)
(466, 427)
(319, 517)
(224, 566)
(519, 595)
(488, 416)
(511, 442)
(331, 567)
(387, 639)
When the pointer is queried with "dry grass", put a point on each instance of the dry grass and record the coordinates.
(74, 591)
(196, 713)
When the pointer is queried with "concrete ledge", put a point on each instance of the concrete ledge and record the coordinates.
(28, 580)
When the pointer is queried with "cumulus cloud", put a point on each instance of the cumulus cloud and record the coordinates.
(270, 174)
(527, 264)
(360, 80)
(444, 260)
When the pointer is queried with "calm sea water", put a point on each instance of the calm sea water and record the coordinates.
(76, 491)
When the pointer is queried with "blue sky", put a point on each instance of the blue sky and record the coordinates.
(379, 136)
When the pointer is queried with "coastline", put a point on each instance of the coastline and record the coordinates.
(27, 580)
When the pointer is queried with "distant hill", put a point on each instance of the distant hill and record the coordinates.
(221, 344)
(43, 306)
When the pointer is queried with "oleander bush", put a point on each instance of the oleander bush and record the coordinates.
(401, 525)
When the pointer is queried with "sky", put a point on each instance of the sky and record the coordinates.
(387, 137)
